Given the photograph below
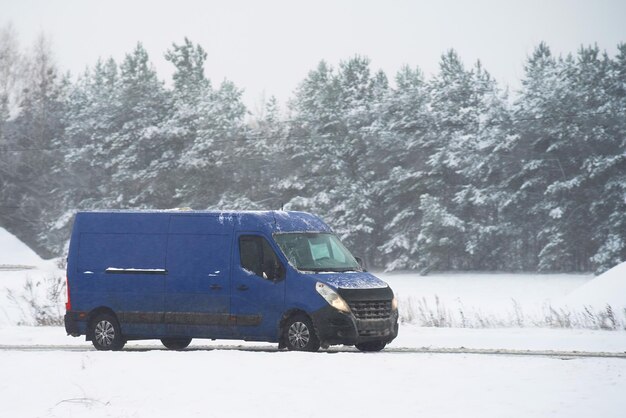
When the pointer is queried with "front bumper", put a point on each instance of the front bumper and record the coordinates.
(334, 327)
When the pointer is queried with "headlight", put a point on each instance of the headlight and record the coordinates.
(394, 304)
(332, 297)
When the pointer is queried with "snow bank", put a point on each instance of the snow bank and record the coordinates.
(608, 288)
(27, 284)
(15, 254)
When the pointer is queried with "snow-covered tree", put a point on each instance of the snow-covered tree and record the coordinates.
(431, 173)
(36, 136)
(404, 121)
(331, 139)
(606, 169)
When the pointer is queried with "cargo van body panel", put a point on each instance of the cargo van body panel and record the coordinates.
(197, 298)
(125, 272)
(199, 274)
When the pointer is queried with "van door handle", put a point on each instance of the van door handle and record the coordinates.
(215, 287)
(242, 287)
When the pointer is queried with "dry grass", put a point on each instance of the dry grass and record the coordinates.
(433, 313)
(40, 302)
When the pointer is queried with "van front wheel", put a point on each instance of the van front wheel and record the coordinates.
(299, 334)
(106, 334)
(176, 343)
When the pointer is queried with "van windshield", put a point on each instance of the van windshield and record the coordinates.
(316, 252)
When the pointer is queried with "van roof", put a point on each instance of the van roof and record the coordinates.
(139, 220)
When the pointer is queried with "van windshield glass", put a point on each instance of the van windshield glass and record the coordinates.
(316, 252)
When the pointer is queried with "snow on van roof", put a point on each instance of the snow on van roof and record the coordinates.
(188, 210)
(274, 220)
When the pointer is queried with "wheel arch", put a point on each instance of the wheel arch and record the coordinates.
(289, 313)
(93, 314)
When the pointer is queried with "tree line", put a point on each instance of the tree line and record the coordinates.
(448, 172)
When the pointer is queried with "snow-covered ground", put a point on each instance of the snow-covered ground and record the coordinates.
(481, 299)
(239, 379)
(232, 383)
(489, 291)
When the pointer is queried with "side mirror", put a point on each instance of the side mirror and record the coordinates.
(361, 262)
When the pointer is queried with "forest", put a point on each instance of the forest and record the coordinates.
(450, 171)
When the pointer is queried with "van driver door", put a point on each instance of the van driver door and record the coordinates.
(257, 288)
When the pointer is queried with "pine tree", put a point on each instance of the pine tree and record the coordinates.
(93, 118)
(607, 169)
(403, 122)
(11, 74)
(10, 60)
(37, 170)
(356, 206)
(437, 241)
(451, 146)
(266, 164)
(484, 161)
(190, 82)
(137, 147)
(332, 133)
(534, 114)
(563, 133)
(210, 160)
(191, 90)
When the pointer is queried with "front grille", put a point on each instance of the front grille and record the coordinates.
(371, 309)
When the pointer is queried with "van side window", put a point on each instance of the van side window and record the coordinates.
(257, 256)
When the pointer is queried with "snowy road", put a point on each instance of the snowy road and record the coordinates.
(244, 382)
(332, 350)
(412, 339)
(429, 372)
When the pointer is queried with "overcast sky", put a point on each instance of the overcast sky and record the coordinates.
(267, 47)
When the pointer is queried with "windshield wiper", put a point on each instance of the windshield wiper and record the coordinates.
(313, 268)
(333, 269)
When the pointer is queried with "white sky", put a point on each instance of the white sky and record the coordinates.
(267, 47)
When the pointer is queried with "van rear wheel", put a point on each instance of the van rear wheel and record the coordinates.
(106, 334)
(299, 334)
(176, 343)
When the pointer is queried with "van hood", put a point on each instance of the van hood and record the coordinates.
(350, 280)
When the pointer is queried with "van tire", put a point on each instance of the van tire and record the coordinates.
(176, 343)
(371, 346)
(299, 334)
(106, 334)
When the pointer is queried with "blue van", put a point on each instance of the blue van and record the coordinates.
(259, 276)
